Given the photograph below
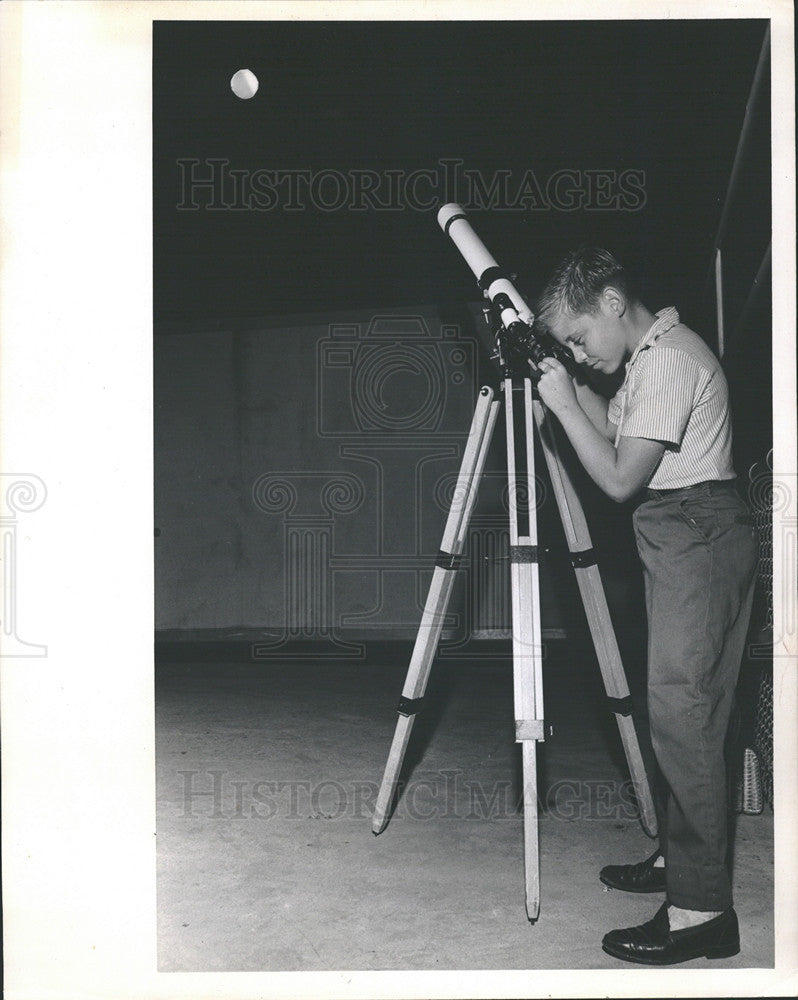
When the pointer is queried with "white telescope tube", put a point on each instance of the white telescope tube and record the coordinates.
(452, 220)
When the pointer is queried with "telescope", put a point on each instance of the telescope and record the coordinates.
(512, 321)
(517, 346)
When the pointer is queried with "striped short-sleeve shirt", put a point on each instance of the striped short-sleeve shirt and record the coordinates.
(675, 391)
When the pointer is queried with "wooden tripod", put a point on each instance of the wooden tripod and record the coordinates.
(526, 642)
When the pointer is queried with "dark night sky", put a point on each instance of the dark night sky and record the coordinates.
(663, 97)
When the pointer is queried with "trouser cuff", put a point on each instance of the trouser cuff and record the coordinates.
(692, 888)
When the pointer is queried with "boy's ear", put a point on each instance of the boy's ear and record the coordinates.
(613, 301)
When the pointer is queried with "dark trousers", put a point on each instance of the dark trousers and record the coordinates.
(699, 553)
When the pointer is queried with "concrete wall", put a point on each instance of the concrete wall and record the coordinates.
(304, 472)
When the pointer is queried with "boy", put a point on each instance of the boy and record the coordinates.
(666, 433)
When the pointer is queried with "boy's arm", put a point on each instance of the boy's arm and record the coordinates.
(595, 406)
(620, 472)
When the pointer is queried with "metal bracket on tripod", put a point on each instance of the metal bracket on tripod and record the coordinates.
(517, 344)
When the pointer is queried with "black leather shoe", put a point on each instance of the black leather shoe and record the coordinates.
(654, 943)
(642, 877)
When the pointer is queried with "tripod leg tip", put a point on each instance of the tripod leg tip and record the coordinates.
(533, 911)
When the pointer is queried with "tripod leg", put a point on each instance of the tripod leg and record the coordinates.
(598, 616)
(438, 597)
(527, 650)
(531, 832)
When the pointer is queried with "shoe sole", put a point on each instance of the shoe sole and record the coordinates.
(624, 888)
(710, 953)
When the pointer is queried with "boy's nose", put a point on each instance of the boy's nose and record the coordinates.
(579, 354)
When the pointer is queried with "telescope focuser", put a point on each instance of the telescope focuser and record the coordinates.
(517, 343)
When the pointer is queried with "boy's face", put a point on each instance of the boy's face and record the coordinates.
(596, 340)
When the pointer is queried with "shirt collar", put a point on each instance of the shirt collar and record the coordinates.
(666, 318)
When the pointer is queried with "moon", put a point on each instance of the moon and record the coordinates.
(244, 84)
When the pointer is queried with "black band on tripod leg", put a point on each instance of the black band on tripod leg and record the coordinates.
(448, 560)
(523, 553)
(621, 706)
(409, 706)
(587, 557)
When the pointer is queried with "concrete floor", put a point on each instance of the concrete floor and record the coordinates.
(266, 775)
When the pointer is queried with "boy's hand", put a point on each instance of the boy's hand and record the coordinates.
(556, 387)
